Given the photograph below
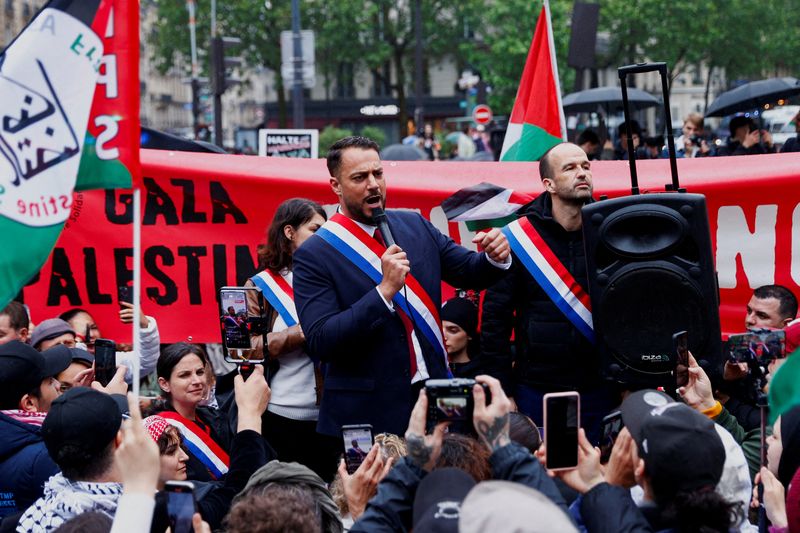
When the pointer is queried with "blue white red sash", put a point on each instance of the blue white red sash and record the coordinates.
(356, 245)
(279, 294)
(200, 444)
(551, 275)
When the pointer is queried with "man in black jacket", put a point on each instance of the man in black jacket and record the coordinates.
(552, 353)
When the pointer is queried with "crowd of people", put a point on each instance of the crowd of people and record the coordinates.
(354, 334)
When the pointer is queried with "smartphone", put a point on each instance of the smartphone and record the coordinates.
(680, 341)
(125, 294)
(561, 423)
(612, 425)
(181, 505)
(357, 441)
(105, 360)
(763, 345)
(239, 323)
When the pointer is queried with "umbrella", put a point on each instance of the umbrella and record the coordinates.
(588, 100)
(403, 152)
(752, 95)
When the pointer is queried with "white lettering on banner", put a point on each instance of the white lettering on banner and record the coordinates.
(757, 248)
(108, 75)
(110, 24)
(795, 266)
(108, 132)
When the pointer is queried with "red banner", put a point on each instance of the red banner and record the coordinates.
(205, 214)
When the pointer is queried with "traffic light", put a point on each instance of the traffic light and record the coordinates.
(220, 63)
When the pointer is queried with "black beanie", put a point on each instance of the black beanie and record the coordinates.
(462, 312)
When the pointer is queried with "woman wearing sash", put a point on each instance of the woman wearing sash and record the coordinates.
(181, 375)
(291, 417)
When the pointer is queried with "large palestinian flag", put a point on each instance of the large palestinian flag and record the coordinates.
(537, 121)
(48, 76)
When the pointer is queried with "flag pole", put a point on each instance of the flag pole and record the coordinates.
(551, 42)
(137, 281)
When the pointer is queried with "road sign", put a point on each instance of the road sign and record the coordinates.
(482, 114)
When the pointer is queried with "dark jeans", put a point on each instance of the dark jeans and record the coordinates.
(298, 441)
(595, 404)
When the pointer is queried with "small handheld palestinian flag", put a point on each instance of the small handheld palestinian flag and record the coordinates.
(484, 206)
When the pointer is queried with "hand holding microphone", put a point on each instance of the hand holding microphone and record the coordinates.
(394, 262)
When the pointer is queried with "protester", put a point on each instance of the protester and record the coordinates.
(181, 376)
(678, 460)
(771, 306)
(80, 372)
(552, 350)
(589, 142)
(524, 432)
(376, 355)
(461, 341)
(86, 329)
(618, 150)
(291, 418)
(51, 332)
(14, 323)
(81, 433)
(278, 488)
(692, 142)
(249, 452)
(27, 389)
(391, 509)
(746, 138)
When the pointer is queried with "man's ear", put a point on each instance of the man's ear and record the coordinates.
(336, 186)
(785, 322)
(23, 334)
(548, 185)
(29, 403)
(118, 439)
(638, 470)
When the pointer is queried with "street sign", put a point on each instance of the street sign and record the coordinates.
(482, 114)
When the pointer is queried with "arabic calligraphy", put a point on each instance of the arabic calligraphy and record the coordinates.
(38, 135)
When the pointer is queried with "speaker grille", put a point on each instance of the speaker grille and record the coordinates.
(643, 307)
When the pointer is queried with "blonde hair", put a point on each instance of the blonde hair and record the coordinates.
(391, 447)
(696, 119)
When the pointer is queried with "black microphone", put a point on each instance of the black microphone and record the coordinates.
(379, 218)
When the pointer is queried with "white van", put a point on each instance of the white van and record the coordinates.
(779, 121)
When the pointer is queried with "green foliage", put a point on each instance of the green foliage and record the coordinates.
(374, 133)
(330, 135)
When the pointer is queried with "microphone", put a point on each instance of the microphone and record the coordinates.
(379, 218)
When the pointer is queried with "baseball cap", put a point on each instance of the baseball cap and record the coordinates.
(49, 329)
(79, 356)
(792, 336)
(83, 418)
(681, 449)
(22, 369)
(437, 504)
(508, 506)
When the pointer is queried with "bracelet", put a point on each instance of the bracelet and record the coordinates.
(713, 412)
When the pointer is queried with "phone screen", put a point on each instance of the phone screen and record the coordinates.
(680, 341)
(105, 360)
(762, 345)
(612, 425)
(180, 508)
(239, 324)
(125, 294)
(357, 444)
(561, 421)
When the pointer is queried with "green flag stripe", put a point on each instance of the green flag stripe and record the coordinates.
(96, 173)
(31, 246)
(532, 144)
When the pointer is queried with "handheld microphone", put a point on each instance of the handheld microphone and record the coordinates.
(379, 218)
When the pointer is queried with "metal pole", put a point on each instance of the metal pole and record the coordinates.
(419, 114)
(190, 5)
(213, 18)
(297, 84)
(217, 97)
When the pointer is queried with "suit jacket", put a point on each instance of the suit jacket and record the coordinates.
(349, 327)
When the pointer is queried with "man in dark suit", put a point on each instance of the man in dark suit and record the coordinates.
(377, 355)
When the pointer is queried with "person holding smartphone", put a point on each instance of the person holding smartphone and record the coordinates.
(291, 417)
(747, 139)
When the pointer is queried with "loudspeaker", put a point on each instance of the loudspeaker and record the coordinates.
(651, 274)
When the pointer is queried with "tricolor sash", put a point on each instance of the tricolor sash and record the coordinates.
(357, 246)
(200, 444)
(279, 294)
(550, 274)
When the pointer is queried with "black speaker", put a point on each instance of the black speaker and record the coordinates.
(651, 274)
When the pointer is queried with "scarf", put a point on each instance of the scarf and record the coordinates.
(34, 418)
(64, 499)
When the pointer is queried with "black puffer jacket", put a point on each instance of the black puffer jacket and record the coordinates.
(551, 354)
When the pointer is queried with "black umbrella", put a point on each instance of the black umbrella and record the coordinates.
(403, 152)
(588, 100)
(752, 95)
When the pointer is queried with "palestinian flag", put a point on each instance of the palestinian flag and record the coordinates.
(48, 76)
(484, 206)
(537, 121)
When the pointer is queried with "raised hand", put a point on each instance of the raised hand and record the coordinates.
(423, 450)
(491, 421)
(362, 485)
(395, 267)
(494, 243)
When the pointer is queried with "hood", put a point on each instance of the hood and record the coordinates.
(15, 435)
(541, 207)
